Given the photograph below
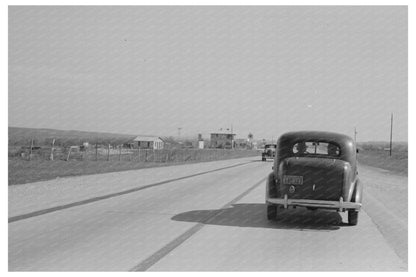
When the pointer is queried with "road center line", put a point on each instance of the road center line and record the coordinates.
(104, 197)
(158, 255)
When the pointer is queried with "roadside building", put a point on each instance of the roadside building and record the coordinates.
(222, 140)
(241, 143)
(200, 144)
(148, 142)
(200, 141)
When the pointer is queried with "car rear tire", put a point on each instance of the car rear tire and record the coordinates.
(271, 212)
(352, 217)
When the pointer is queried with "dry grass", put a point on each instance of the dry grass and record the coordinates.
(22, 171)
(398, 162)
(92, 161)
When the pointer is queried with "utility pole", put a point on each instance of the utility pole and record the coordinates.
(232, 137)
(391, 132)
(355, 134)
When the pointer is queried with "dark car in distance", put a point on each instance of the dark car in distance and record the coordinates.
(269, 152)
(316, 170)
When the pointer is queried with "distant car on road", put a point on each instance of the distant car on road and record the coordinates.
(316, 170)
(269, 152)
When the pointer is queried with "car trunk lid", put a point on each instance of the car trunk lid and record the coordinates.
(312, 178)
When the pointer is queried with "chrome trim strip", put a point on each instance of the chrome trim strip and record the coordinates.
(339, 205)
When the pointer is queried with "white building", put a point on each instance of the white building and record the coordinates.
(148, 142)
(201, 144)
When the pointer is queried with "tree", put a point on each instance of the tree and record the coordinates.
(250, 139)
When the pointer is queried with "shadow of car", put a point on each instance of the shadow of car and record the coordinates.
(252, 215)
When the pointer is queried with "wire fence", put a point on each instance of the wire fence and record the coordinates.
(110, 153)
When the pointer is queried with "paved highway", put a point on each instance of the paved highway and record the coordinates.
(198, 217)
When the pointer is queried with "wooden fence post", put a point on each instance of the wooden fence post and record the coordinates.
(52, 149)
(69, 153)
(138, 155)
(108, 152)
(31, 147)
(84, 153)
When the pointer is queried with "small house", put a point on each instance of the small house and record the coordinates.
(148, 142)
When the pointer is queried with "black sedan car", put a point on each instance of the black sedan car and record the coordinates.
(269, 152)
(316, 170)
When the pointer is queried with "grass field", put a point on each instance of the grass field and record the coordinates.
(398, 162)
(25, 168)
(374, 154)
(22, 171)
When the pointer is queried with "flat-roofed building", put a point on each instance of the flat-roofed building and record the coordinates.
(222, 140)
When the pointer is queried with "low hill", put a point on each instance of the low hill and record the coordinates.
(22, 137)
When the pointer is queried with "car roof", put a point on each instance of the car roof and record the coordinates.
(316, 136)
(287, 140)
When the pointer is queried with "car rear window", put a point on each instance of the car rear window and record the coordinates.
(316, 148)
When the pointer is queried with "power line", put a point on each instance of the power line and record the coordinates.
(391, 132)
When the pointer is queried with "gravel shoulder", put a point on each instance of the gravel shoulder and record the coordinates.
(386, 202)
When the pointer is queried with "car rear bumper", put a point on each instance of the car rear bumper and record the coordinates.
(324, 204)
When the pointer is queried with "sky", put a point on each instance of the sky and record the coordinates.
(263, 70)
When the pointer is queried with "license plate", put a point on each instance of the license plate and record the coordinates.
(292, 180)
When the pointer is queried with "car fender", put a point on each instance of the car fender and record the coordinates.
(271, 186)
(357, 195)
(349, 183)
